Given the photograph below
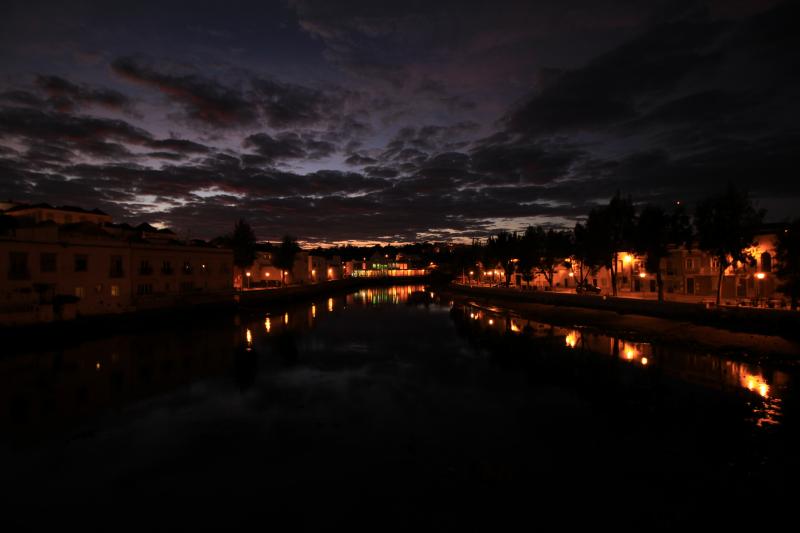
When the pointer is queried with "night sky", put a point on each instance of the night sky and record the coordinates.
(394, 120)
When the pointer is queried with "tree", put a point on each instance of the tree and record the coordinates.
(586, 253)
(725, 226)
(502, 249)
(787, 252)
(243, 242)
(284, 255)
(546, 250)
(612, 227)
(656, 231)
(528, 256)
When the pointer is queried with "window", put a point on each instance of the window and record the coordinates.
(116, 270)
(187, 267)
(690, 263)
(144, 268)
(81, 262)
(80, 292)
(18, 265)
(166, 268)
(47, 262)
(98, 288)
(115, 290)
(144, 289)
(766, 262)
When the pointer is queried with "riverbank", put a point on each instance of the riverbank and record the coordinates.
(774, 337)
(55, 334)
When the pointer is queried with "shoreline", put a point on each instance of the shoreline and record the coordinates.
(56, 333)
(611, 318)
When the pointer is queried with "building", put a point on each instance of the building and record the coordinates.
(382, 266)
(59, 215)
(53, 271)
(688, 274)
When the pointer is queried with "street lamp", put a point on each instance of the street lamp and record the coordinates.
(248, 280)
(759, 276)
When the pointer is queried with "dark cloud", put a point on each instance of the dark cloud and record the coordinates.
(204, 99)
(359, 160)
(66, 96)
(433, 118)
(286, 146)
(35, 124)
(286, 105)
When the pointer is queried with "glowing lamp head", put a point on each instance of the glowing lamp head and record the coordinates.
(627, 258)
(572, 274)
(761, 275)
(248, 274)
(642, 275)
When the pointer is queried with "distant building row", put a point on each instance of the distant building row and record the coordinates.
(60, 262)
(689, 273)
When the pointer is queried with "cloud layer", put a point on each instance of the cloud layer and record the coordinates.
(416, 121)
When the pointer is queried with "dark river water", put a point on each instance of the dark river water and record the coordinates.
(391, 408)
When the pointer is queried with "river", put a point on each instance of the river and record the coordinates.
(391, 407)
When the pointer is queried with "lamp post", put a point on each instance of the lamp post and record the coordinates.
(759, 277)
(248, 280)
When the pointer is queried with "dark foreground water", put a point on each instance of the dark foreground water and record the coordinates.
(391, 408)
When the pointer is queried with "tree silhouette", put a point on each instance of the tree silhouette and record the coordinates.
(284, 256)
(502, 249)
(243, 243)
(612, 227)
(656, 231)
(586, 252)
(787, 251)
(725, 227)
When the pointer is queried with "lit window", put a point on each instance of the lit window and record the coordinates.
(80, 292)
(115, 290)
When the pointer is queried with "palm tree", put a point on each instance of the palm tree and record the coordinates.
(725, 224)
(656, 231)
(284, 256)
(787, 252)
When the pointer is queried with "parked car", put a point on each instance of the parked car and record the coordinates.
(586, 288)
